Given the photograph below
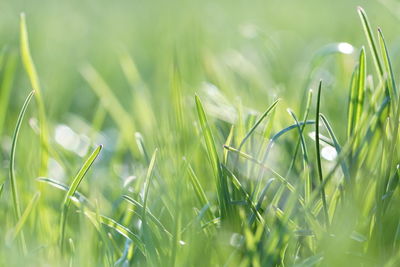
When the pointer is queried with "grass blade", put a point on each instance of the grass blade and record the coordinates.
(222, 186)
(318, 153)
(356, 98)
(388, 67)
(198, 189)
(147, 183)
(6, 85)
(262, 117)
(34, 80)
(371, 41)
(72, 189)
(13, 179)
(25, 215)
(150, 250)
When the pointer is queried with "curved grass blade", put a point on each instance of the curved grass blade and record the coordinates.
(34, 80)
(276, 136)
(371, 41)
(24, 217)
(13, 180)
(72, 189)
(222, 186)
(1, 189)
(318, 153)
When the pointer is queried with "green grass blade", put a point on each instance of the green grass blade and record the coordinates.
(351, 107)
(222, 186)
(34, 80)
(150, 250)
(199, 191)
(72, 189)
(362, 74)
(1, 189)
(25, 215)
(371, 41)
(388, 67)
(318, 153)
(147, 183)
(6, 86)
(13, 179)
(262, 117)
(27, 58)
(357, 92)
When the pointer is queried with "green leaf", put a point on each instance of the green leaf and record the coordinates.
(34, 80)
(357, 92)
(198, 189)
(24, 217)
(388, 68)
(13, 179)
(72, 189)
(371, 41)
(222, 186)
(318, 153)
(262, 117)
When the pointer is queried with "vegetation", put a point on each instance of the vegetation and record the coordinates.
(170, 177)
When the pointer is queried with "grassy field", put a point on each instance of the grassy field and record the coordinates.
(199, 133)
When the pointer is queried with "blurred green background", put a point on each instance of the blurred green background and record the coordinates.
(277, 38)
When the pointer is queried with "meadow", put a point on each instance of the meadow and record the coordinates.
(188, 133)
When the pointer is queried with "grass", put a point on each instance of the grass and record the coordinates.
(226, 185)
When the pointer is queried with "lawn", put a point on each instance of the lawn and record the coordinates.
(199, 133)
